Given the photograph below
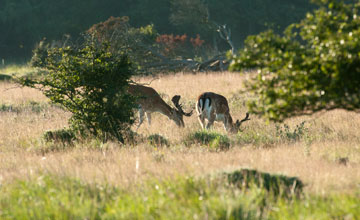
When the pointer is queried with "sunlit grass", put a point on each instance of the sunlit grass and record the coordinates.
(16, 70)
(324, 154)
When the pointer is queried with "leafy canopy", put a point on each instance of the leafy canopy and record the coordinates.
(313, 66)
(91, 83)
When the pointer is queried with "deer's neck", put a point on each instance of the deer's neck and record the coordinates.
(228, 121)
(164, 108)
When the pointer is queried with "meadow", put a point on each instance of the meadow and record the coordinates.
(175, 173)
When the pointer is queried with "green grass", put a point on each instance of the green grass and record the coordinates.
(16, 70)
(54, 197)
(213, 140)
(317, 207)
(32, 106)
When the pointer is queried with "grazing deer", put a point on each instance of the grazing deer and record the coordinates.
(149, 101)
(214, 107)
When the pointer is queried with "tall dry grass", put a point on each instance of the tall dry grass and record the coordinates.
(317, 158)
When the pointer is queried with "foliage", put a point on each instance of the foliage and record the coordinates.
(25, 22)
(312, 67)
(149, 51)
(91, 83)
(136, 42)
(179, 45)
(214, 140)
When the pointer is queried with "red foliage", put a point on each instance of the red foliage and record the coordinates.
(104, 30)
(196, 42)
(179, 44)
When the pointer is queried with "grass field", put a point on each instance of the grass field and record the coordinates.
(94, 180)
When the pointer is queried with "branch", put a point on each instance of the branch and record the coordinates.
(225, 34)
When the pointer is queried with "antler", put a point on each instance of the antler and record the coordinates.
(175, 100)
(246, 118)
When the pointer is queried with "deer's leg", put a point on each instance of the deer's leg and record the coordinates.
(201, 119)
(148, 116)
(226, 124)
(141, 117)
(200, 113)
(211, 120)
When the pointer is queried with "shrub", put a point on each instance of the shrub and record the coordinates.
(91, 83)
(213, 140)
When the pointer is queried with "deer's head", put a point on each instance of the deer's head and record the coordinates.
(236, 126)
(178, 112)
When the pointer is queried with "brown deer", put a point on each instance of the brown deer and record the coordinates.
(149, 101)
(214, 107)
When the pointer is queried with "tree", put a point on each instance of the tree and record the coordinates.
(313, 66)
(90, 82)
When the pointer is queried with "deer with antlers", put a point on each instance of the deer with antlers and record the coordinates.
(214, 107)
(149, 101)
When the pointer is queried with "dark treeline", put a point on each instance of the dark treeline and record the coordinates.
(23, 23)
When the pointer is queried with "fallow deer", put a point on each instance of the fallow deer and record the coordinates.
(149, 101)
(214, 107)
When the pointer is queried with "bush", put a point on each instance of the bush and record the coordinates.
(314, 66)
(91, 83)
(213, 140)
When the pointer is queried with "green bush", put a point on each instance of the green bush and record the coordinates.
(214, 140)
(313, 66)
(91, 83)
